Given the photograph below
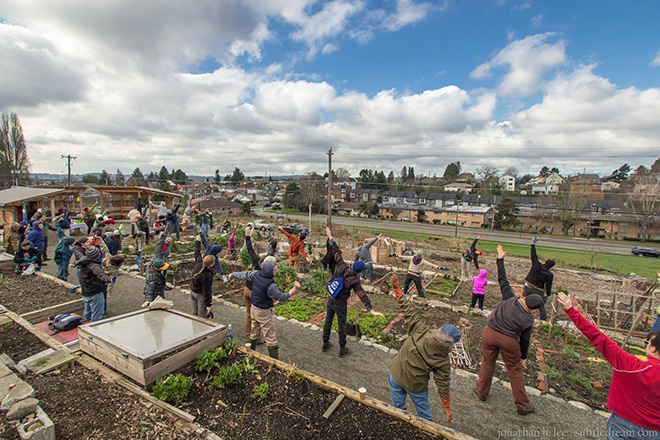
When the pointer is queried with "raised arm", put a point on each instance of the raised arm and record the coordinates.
(410, 316)
(161, 242)
(533, 256)
(254, 257)
(289, 236)
(198, 249)
(60, 233)
(233, 232)
(206, 244)
(373, 240)
(505, 287)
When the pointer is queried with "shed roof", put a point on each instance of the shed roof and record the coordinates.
(24, 194)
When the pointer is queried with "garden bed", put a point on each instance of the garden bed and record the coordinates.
(242, 397)
(22, 294)
(18, 343)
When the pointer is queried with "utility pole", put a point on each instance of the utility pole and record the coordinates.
(330, 188)
(68, 158)
(456, 223)
(492, 218)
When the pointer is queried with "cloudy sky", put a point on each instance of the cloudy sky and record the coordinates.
(270, 85)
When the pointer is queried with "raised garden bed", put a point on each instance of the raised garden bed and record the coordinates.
(23, 294)
(17, 342)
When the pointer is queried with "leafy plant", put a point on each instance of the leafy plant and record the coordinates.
(567, 350)
(208, 360)
(244, 257)
(295, 374)
(172, 388)
(317, 283)
(260, 392)
(301, 309)
(228, 375)
(231, 346)
(285, 276)
(554, 374)
(249, 365)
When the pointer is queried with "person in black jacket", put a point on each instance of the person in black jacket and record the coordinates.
(93, 281)
(470, 257)
(339, 305)
(508, 330)
(328, 261)
(201, 286)
(539, 279)
(25, 255)
(247, 290)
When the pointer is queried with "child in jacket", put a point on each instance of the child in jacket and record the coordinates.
(479, 289)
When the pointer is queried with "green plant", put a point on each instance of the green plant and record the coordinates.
(285, 277)
(295, 374)
(554, 374)
(260, 392)
(207, 360)
(567, 350)
(301, 309)
(172, 388)
(317, 283)
(228, 375)
(231, 346)
(586, 383)
(569, 394)
(249, 365)
(244, 257)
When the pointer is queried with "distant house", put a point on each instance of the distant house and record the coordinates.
(472, 216)
(349, 209)
(221, 206)
(464, 177)
(545, 188)
(508, 183)
(459, 187)
(555, 179)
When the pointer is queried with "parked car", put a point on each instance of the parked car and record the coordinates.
(645, 251)
(276, 205)
(296, 229)
(267, 205)
(261, 225)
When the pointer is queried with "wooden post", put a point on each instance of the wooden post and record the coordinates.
(598, 307)
(616, 311)
(80, 202)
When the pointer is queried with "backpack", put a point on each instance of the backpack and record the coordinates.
(335, 287)
(64, 322)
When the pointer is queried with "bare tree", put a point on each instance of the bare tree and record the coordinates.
(570, 203)
(14, 161)
(342, 174)
(644, 203)
(312, 192)
(510, 171)
(486, 172)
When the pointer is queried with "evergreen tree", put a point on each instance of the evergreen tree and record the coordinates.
(452, 171)
(163, 175)
(404, 174)
(138, 176)
(120, 180)
(390, 177)
(14, 161)
(90, 178)
(104, 178)
(179, 177)
(217, 178)
(545, 172)
(411, 174)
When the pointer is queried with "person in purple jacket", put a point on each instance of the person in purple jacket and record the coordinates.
(479, 289)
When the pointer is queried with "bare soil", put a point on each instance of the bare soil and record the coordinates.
(292, 409)
(19, 343)
(22, 294)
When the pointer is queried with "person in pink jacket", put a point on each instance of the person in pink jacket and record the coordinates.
(634, 396)
(231, 245)
(479, 289)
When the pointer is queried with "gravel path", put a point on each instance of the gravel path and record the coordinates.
(368, 366)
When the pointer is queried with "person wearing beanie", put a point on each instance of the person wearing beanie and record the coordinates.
(173, 220)
(364, 254)
(634, 395)
(63, 253)
(539, 279)
(36, 236)
(213, 251)
(479, 289)
(113, 241)
(25, 255)
(156, 275)
(414, 275)
(508, 331)
(470, 257)
(339, 306)
(92, 281)
(296, 247)
(425, 350)
(264, 293)
(201, 286)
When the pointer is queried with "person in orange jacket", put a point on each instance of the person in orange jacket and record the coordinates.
(296, 247)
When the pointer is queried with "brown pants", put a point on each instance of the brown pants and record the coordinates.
(294, 260)
(263, 321)
(493, 343)
(248, 305)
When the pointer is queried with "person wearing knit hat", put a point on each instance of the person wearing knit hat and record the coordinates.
(264, 293)
(425, 350)
(508, 331)
(156, 274)
(539, 279)
(25, 255)
(338, 305)
(414, 275)
(63, 253)
(93, 281)
(201, 286)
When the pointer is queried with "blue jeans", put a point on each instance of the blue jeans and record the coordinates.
(63, 270)
(138, 259)
(93, 307)
(619, 428)
(205, 229)
(420, 400)
(368, 272)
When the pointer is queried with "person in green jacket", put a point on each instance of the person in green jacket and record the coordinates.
(425, 350)
(63, 253)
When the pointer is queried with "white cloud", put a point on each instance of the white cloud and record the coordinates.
(656, 60)
(329, 48)
(527, 60)
(407, 12)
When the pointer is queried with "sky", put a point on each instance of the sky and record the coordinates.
(270, 86)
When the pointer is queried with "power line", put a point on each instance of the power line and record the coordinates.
(69, 157)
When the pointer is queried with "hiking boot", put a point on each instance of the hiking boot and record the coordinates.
(274, 351)
(343, 351)
(483, 399)
(253, 344)
(326, 346)
(524, 411)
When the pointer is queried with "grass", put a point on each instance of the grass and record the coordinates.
(586, 383)
(301, 309)
(554, 374)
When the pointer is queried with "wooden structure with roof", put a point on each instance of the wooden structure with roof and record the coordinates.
(118, 199)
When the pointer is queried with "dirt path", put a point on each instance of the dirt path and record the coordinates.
(368, 366)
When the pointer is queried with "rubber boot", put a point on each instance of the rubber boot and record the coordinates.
(273, 351)
(253, 344)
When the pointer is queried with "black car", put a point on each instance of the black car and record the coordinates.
(296, 229)
(645, 252)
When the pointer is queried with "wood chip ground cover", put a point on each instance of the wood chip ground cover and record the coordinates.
(22, 294)
(292, 409)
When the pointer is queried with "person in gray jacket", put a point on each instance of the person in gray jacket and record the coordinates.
(364, 254)
(264, 293)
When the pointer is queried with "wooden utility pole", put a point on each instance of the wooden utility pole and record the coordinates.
(330, 188)
(68, 158)
(492, 214)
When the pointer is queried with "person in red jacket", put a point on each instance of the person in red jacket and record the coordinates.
(296, 248)
(634, 396)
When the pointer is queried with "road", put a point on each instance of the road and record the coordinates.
(578, 244)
